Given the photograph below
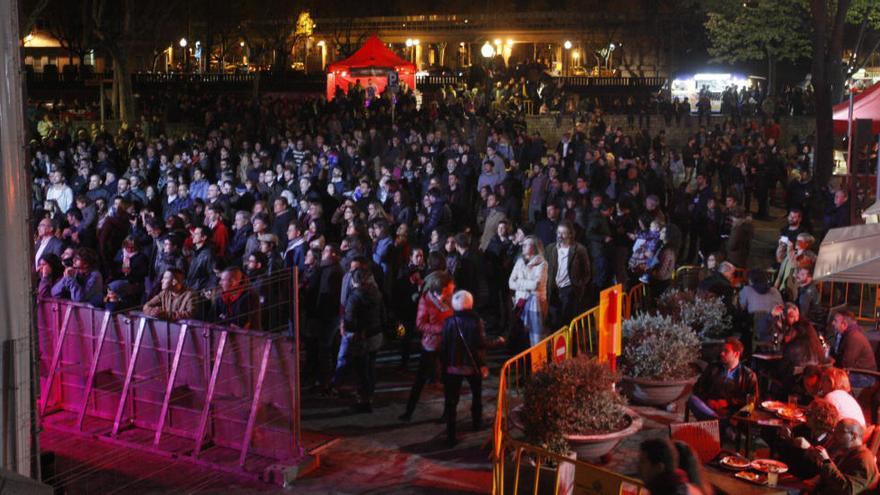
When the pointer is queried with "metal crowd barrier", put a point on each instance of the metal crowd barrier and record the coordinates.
(218, 395)
(580, 336)
(539, 471)
(862, 299)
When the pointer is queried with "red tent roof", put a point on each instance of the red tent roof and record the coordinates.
(374, 53)
(866, 105)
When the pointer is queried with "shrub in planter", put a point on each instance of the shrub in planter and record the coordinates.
(575, 397)
(658, 348)
(705, 314)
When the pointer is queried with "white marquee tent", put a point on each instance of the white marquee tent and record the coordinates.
(850, 254)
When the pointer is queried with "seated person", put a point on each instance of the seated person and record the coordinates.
(724, 387)
(658, 468)
(850, 467)
(835, 388)
(174, 302)
(851, 349)
(801, 347)
(791, 447)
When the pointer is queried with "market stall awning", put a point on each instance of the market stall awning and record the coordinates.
(369, 67)
(850, 254)
(374, 54)
(866, 105)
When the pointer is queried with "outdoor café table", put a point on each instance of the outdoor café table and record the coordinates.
(725, 482)
(759, 418)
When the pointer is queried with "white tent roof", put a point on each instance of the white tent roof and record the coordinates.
(874, 209)
(850, 254)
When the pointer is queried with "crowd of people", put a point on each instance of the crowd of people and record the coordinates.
(449, 224)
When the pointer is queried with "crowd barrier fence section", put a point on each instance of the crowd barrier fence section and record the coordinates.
(579, 337)
(862, 299)
(219, 395)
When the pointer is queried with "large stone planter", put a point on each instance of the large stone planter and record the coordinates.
(656, 392)
(592, 447)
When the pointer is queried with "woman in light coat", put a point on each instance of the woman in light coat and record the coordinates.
(529, 281)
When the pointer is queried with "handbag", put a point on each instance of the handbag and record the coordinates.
(484, 370)
(520, 307)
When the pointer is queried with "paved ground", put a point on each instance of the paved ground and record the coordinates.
(373, 453)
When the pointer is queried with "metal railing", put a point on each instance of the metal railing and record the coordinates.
(569, 476)
(580, 337)
(861, 299)
(179, 388)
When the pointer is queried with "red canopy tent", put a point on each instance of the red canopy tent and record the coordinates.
(369, 65)
(866, 105)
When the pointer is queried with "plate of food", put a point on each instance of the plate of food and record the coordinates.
(735, 462)
(769, 465)
(772, 405)
(758, 479)
(791, 413)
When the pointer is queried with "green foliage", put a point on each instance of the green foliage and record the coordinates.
(778, 29)
(858, 9)
(658, 348)
(574, 397)
(705, 314)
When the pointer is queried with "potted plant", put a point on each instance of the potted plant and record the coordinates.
(704, 313)
(573, 406)
(658, 359)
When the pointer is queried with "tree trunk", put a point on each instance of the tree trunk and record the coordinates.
(122, 88)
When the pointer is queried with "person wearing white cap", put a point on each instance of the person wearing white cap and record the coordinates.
(462, 352)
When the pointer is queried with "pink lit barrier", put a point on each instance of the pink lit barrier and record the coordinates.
(222, 396)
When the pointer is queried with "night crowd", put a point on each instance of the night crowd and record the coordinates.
(449, 228)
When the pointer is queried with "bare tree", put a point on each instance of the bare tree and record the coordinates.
(118, 26)
(70, 22)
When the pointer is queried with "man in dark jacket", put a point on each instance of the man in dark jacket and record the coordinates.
(837, 215)
(462, 352)
(201, 266)
(241, 230)
(326, 313)
(364, 316)
(599, 241)
(724, 387)
(568, 273)
(851, 349)
(283, 216)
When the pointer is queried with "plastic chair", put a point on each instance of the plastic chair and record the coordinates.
(702, 436)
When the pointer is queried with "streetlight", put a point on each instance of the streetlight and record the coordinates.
(509, 42)
(241, 44)
(182, 42)
(415, 42)
(487, 50)
(409, 42)
(567, 45)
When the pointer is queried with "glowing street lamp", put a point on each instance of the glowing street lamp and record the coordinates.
(409, 42)
(567, 45)
(487, 50)
(182, 42)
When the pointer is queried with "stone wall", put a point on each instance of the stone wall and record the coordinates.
(552, 127)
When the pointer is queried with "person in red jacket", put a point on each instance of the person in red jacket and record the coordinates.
(434, 307)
